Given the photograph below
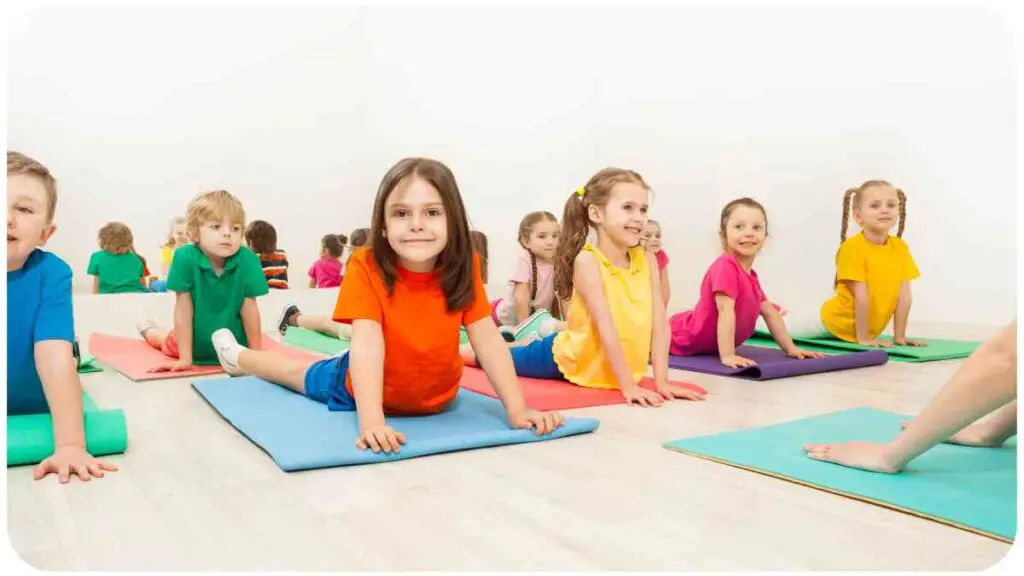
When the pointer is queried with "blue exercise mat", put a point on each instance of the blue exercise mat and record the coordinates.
(971, 488)
(300, 434)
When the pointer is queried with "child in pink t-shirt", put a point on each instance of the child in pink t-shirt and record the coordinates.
(731, 298)
(531, 289)
(326, 272)
(651, 241)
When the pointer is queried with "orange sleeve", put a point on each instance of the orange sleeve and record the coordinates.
(356, 297)
(480, 308)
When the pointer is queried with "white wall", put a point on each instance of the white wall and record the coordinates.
(309, 107)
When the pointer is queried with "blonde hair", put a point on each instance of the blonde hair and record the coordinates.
(854, 197)
(116, 238)
(170, 232)
(212, 206)
(19, 164)
(576, 221)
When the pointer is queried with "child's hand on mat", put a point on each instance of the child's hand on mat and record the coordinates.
(876, 343)
(863, 455)
(68, 460)
(541, 422)
(670, 391)
(378, 438)
(179, 366)
(909, 342)
(737, 361)
(803, 354)
(642, 396)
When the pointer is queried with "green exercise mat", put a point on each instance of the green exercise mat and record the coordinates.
(30, 437)
(314, 341)
(88, 365)
(324, 344)
(936, 349)
(971, 488)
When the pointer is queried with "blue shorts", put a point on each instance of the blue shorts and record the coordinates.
(536, 360)
(325, 383)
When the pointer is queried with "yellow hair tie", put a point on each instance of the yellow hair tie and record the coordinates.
(581, 191)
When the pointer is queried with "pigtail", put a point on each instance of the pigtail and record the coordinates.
(903, 212)
(533, 281)
(575, 228)
(847, 201)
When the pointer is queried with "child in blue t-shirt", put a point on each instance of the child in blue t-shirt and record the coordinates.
(40, 325)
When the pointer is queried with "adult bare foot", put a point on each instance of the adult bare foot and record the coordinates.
(863, 455)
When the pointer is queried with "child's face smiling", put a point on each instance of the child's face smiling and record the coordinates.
(745, 231)
(624, 217)
(877, 209)
(652, 237)
(416, 224)
(27, 223)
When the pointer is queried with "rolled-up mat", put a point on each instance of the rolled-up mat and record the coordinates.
(88, 365)
(30, 437)
(971, 488)
(314, 341)
(556, 394)
(133, 357)
(774, 363)
(300, 433)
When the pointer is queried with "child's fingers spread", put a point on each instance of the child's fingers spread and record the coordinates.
(108, 466)
(372, 442)
(82, 471)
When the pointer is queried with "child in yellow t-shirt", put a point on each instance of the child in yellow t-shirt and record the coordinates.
(873, 269)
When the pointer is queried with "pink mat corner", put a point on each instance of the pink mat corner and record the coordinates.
(133, 357)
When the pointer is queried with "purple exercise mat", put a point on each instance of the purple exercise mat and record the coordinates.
(773, 363)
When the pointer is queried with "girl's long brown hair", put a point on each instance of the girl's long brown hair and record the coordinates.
(576, 221)
(456, 258)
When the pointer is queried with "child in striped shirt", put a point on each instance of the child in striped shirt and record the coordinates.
(262, 239)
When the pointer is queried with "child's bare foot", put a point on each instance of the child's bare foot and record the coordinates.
(977, 434)
(863, 455)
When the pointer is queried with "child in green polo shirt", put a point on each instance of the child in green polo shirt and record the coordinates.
(116, 268)
(216, 281)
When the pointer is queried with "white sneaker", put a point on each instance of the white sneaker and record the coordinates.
(227, 349)
(144, 326)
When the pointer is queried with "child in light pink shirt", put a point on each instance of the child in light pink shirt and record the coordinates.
(731, 298)
(532, 285)
(326, 272)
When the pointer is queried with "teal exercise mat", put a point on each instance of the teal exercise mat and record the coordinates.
(936, 349)
(973, 489)
(30, 437)
(314, 341)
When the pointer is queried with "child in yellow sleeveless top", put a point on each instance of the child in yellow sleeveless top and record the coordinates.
(873, 269)
(616, 316)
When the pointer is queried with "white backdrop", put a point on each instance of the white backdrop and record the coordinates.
(300, 111)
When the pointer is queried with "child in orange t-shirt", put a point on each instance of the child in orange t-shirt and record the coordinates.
(406, 296)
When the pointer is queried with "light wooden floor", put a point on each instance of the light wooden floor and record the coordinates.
(194, 494)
